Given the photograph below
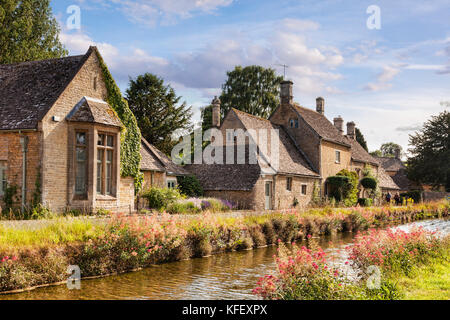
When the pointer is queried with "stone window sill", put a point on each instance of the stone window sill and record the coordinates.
(100, 197)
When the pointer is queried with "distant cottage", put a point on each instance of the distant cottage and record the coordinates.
(311, 148)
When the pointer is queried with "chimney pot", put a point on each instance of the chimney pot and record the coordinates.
(215, 112)
(339, 124)
(320, 105)
(351, 130)
(286, 95)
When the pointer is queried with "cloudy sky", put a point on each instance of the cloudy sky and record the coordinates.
(388, 80)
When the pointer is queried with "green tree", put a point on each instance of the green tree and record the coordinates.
(430, 152)
(360, 139)
(206, 116)
(376, 153)
(29, 31)
(157, 110)
(388, 149)
(252, 89)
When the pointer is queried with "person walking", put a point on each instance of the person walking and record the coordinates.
(397, 199)
(388, 197)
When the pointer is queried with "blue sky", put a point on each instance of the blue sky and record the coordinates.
(388, 80)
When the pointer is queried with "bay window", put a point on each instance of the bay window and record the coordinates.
(105, 162)
(81, 151)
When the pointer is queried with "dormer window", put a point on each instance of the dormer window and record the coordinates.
(293, 123)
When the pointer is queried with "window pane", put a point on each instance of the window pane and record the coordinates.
(81, 154)
(80, 179)
(110, 141)
(101, 140)
(81, 138)
(99, 170)
(109, 155)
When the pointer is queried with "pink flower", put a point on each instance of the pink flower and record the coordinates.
(134, 253)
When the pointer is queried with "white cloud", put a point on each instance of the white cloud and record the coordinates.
(152, 12)
(382, 83)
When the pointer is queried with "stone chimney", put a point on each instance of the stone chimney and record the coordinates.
(286, 95)
(320, 105)
(216, 112)
(351, 130)
(397, 153)
(339, 124)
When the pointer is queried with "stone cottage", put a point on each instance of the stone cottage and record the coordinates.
(311, 149)
(159, 171)
(59, 139)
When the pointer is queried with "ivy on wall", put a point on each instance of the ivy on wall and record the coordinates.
(130, 155)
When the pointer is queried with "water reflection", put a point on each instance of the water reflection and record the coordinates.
(225, 276)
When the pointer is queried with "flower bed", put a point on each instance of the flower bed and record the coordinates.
(128, 243)
(304, 274)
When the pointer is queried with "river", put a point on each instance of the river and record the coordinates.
(224, 276)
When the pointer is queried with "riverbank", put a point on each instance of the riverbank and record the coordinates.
(388, 264)
(129, 243)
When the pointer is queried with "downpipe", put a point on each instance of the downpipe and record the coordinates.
(24, 143)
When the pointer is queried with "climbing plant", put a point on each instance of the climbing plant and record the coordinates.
(351, 191)
(130, 156)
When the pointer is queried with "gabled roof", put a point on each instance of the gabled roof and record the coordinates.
(291, 160)
(320, 124)
(385, 180)
(391, 163)
(154, 160)
(360, 154)
(28, 90)
(94, 111)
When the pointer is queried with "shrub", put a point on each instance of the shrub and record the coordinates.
(190, 186)
(350, 192)
(304, 275)
(369, 183)
(183, 208)
(416, 195)
(159, 198)
(365, 202)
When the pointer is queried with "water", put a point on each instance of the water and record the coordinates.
(225, 276)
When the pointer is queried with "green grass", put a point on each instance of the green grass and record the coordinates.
(429, 282)
(59, 231)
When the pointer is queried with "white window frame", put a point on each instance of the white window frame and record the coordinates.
(3, 178)
(171, 181)
(289, 183)
(336, 153)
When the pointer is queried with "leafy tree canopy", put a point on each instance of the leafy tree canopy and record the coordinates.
(29, 31)
(252, 89)
(430, 152)
(388, 149)
(376, 153)
(360, 139)
(157, 110)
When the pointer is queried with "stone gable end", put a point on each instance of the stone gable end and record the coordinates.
(55, 163)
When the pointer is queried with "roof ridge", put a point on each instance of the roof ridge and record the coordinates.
(251, 115)
(39, 61)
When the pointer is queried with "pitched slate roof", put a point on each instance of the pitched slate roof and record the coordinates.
(154, 160)
(385, 180)
(228, 177)
(29, 89)
(320, 124)
(390, 163)
(291, 160)
(94, 111)
(360, 154)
